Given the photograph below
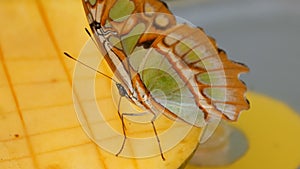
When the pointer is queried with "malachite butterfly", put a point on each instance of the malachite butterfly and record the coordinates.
(166, 67)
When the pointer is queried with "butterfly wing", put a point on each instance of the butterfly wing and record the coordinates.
(194, 77)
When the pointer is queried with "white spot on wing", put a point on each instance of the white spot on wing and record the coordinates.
(162, 20)
(148, 9)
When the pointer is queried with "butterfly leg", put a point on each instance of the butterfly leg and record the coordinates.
(157, 138)
(121, 115)
(124, 128)
(103, 32)
(108, 32)
(125, 135)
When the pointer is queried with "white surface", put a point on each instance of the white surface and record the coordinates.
(264, 34)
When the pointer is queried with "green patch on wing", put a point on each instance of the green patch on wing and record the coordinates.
(216, 93)
(214, 78)
(203, 78)
(181, 48)
(130, 40)
(115, 42)
(158, 80)
(192, 57)
(121, 10)
(92, 2)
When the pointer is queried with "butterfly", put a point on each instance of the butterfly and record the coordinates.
(166, 67)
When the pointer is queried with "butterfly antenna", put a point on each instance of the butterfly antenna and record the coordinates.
(86, 65)
(88, 32)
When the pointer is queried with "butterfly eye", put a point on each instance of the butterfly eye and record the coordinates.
(97, 25)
